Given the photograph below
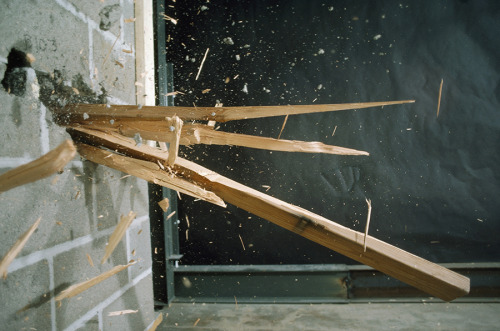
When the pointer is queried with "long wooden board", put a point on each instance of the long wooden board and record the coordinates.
(90, 112)
(411, 269)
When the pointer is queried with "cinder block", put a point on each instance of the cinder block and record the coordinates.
(105, 13)
(73, 267)
(139, 297)
(20, 126)
(117, 195)
(115, 68)
(64, 201)
(140, 244)
(57, 39)
(25, 299)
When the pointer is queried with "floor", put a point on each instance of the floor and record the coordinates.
(354, 316)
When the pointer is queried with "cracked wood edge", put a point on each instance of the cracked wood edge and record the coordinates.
(72, 113)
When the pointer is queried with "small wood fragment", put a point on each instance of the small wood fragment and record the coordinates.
(111, 49)
(118, 234)
(43, 167)
(196, 322)
(91, 262)
(122, 312)
(83, 286)
(170, 215)
(129, 20)
(283, 126)
(16, 248)
(156, 323)
(242, 244)
(369, 203)
(173, 150)
(164, 204)
(201, 64)
(439, 97)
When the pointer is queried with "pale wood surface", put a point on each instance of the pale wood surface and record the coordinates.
(118, 234)
(75, 112)
(16, 248)
(43, 167)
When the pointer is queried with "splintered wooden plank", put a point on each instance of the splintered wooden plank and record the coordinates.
(148, 171)
(411, 269)
(43, 167)
(83, 286)
(201, 134)
(16, 248)
(89, 112)
(118, 234)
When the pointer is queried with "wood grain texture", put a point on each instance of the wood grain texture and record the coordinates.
(118, 234)
(91, 112)
(43, 167)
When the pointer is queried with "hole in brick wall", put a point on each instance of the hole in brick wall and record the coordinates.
(14, 80)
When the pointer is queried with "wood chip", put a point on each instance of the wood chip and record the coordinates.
(439, 97)
(196, 322)
(369, 203)
(118, 234)
(205, 91)
(122, 312)
(129, 20)
(201, 65)
(170, 19)
(164, 204)
(334, 129)
(170, 215)
(16, 248)
(283, 126)
(242, 244)
(89, 258)
(83, 286)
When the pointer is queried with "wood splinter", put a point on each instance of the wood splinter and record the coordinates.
(16, 248)
(118, 234)
(369, 203)
(83, 286)
(43, 167)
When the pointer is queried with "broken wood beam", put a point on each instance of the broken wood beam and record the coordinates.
(411, 269)
(393, 261)
(149, 171)
(89, 112)
(43, 167)
(201, 134)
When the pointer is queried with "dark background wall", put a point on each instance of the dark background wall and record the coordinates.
(434, 181)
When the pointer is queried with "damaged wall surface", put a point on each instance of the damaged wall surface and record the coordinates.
(53, 52)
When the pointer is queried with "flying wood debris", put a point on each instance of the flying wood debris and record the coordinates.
(201, 64)
(89, 258)
(439, 97)
(118, 234)
(168, 18)
(16, 248)
(164, 204)
(83, 286)
(48, 164)
(156, 323)
(283, 126)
